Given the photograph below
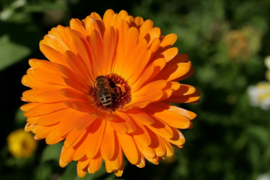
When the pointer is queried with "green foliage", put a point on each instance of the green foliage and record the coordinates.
(230, 139)
(51, 153)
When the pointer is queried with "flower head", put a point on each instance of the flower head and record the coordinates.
(259, 94)
(106, 89)
(21, 144)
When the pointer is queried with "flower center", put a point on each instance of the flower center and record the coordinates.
(111, 92)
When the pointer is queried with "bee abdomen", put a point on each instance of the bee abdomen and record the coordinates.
(106, 101)
(105, 97)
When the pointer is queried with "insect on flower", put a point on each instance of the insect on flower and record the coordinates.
(128, 112)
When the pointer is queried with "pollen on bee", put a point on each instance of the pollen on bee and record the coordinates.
(121, 89)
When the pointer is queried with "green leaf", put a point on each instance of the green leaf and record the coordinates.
(260, 133)
(51, 152)
(45, 6)
(43, 172)
(70, 172)
(19, 118)
(11, 52)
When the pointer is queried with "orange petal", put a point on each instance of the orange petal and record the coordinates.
(171, 118)
(150, 87)
(150, 97)
(28, 127)
(158, 64)
(175, 71)
(179, 58)
(142, 162)
(47, 77)
(81, 173)
(81, 50)
(44, 131)
(128, 122)
(49, 67)
(53, 118)
(53, 139)
(28, 106)
(96, 47)
(99, 22)
(66, 124)
(168, 147)
(145, 76)
(92, 25)
(168, 54)
(119, 173)
(107, 148)
(138, 21)
(147, 152)
(140, 68)
(71, 93)
(107, 17)
(154, 47)
(94, 164)
(43, 109)
(109, 47)
(192, 98)
(54, 43)
(73, 137)
(153, 34)
(83, 106)
(131, 40)
(83, 163)
(123, 14)
(161, 129)
(50, 97)
(53, 55)
(79, 67)
(84, 121)
(74, 77)
(32, 120)
(161, 150)
(77, 25)
(80, 148)
(129, 147)
(119, 59)
(184, 112)
(135, 58)
(33, 63)
(30, 95)
(145, 28)
(141, 117)
(94, 138)
(66, 154)
(29, 81)
(141, 135)
(178, 139)
(119, 127)
(167, 42)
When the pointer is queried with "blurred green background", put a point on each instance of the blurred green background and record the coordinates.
(227, 42)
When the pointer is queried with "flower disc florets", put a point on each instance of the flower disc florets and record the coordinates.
(121, 89)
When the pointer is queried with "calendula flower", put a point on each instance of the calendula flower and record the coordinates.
(106, 90)
(259, 94)
(21, 144)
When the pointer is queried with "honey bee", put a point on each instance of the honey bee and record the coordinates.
(105, 92)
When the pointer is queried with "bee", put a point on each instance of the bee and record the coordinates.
(105, 93)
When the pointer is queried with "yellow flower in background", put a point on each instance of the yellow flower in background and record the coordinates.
(260, 93)
(21, 144)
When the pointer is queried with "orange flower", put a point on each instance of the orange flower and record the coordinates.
(139, 69)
